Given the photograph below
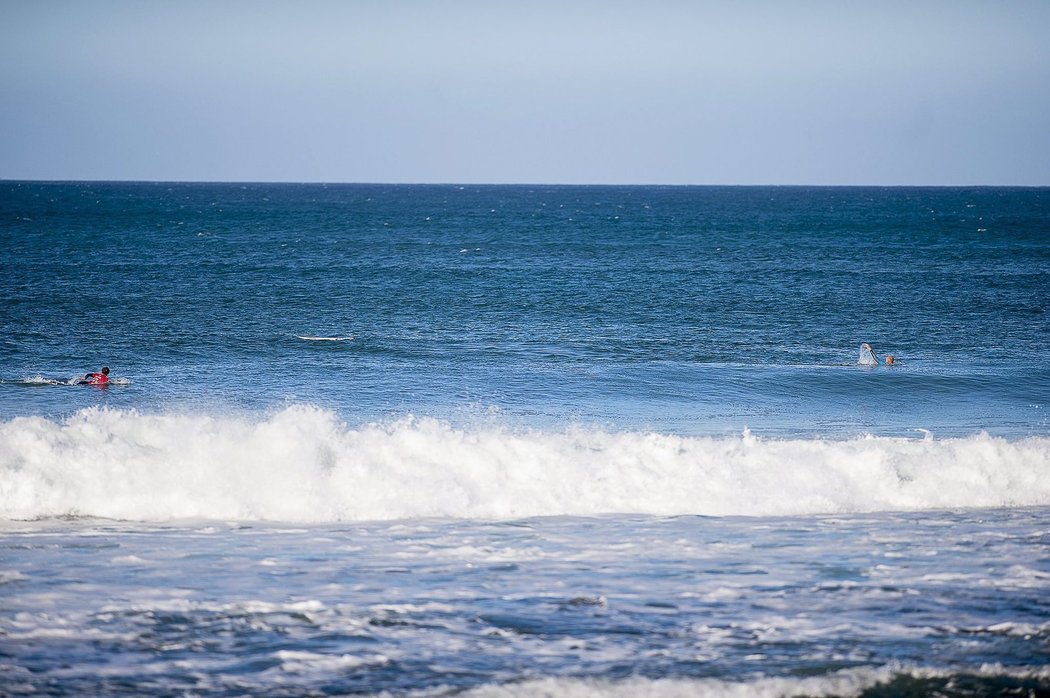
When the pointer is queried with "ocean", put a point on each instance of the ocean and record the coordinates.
(523, 441)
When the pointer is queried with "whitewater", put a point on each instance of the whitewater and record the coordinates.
(901, 603)
(305, 464)
(521, 442)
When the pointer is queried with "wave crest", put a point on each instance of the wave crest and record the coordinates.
(304, 464)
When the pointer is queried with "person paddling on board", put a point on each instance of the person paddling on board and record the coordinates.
(101, 378)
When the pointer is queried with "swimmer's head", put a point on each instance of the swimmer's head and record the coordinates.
(889, 359)
(105, 370)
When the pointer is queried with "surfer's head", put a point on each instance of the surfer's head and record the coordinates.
(105, 370)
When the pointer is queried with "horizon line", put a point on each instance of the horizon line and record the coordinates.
(511, 184)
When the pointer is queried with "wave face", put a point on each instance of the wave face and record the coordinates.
(305, 464)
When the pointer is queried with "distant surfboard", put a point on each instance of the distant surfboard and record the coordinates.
(76, 380)
(308, 338)
(110, 382)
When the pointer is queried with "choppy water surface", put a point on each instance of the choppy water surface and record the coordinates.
(885, 604)
(523, 441)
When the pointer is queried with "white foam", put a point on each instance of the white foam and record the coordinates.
(298, 662)
(128, 560)
(304, 464)
(8, 576)
(42, 380)
(848, 682)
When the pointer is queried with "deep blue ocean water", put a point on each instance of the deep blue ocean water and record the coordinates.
(523, 440)
(684, 309)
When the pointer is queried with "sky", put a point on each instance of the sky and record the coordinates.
(936, 92)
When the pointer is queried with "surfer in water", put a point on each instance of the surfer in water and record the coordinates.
(100, 378)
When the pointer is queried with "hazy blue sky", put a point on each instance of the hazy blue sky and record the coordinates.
(838, 92)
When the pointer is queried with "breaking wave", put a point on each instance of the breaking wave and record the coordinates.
(989, 679)
(305, 464)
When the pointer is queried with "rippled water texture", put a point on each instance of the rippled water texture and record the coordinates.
(692, 310)
(502, 441)
(875, 605)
